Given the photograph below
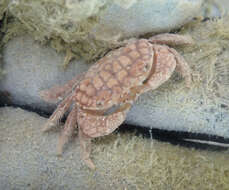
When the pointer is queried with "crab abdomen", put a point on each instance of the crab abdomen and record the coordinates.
(114, 75)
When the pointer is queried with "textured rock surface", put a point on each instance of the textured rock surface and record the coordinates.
(147, 16)
(195, 118)
(28, 161)
(31, 68)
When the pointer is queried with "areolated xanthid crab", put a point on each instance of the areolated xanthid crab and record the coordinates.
(101, 97)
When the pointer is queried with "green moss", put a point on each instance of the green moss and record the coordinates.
(65, 25)
(210, 58)
(3, 15)
(133, 162)
(3, 7)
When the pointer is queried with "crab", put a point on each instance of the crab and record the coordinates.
(101, 97)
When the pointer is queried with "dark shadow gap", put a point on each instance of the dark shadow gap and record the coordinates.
(174, 137)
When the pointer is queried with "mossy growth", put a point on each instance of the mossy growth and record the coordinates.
(3, 15)
(67, 26)
(126, 161)
(209, 60)
(3, 7)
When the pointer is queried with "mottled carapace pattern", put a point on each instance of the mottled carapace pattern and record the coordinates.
(114, 75)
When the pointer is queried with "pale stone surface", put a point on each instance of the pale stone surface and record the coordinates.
(147, 16)
(210, 119)
(28, 158)
(31, 68)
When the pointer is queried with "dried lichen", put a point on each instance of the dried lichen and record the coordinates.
(3, 12)
(63, 25)
(49, 19)
(3, 7)
(209, 60)
(133, 162)
(66, 25)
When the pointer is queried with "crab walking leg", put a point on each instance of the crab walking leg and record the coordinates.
(57, 93)
(164, 67)
(58, 114)
(155, 81)
(171, 39)
(182, 67)
(85, 148)
(68, 130)
(91, 126)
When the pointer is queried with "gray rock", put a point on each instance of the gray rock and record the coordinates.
(28, 158)
(194, 118)
(30, 68)
(147, 16)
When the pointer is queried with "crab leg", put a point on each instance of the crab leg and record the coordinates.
(91, 126)
(57, 93)
(58, 114)
(171, 39)
(163, 70)
(68, 130)
(85, 148)
(182, 67)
